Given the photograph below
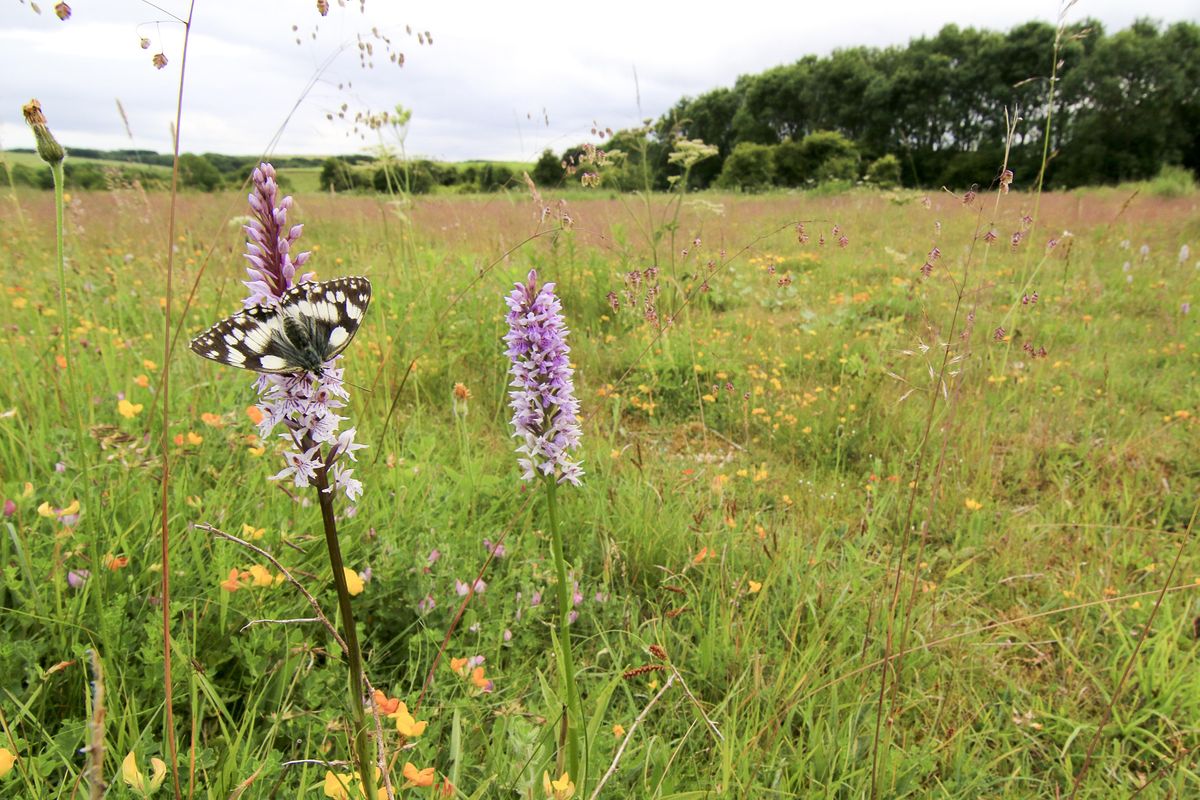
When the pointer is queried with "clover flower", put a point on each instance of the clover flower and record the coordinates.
(542, 395)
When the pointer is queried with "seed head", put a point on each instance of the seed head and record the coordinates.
(630, 674)
(1006, 179)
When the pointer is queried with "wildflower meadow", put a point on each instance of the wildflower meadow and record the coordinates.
(587, 491)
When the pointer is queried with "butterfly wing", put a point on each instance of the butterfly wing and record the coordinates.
(326, 314)
(312, 323)
(253, 339)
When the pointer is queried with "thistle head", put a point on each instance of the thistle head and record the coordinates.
(48, 147)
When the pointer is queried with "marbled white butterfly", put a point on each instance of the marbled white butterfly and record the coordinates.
(310, 324)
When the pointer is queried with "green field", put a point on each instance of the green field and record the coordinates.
(31, 160)
(888, 548)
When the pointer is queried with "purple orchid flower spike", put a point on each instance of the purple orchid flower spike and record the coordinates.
(542, 394)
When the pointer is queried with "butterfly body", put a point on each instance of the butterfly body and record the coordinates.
(311, 324)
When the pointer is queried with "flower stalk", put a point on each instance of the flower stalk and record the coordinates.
(362, 745)
(546, 423)
(574, 703)
(305, 404)
(51, 152)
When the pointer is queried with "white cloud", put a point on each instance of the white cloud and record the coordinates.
(480, 91)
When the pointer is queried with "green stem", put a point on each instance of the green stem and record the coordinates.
(56, 170)
(574, 704)
(63, 309)
(362, 747)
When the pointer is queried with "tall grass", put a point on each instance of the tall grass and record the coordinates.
(759, 567)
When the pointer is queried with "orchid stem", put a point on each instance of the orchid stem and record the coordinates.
(571, 689)
(362, 747)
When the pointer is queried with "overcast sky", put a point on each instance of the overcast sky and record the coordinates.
(501, 80)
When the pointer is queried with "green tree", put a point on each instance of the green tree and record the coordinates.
(338, 176)
(884, 172)
(709, 118)
(750, 167)
(548, 171)
(1124, 106)
(197, 172)
(494, 177)
(412, 177)
(827, 155)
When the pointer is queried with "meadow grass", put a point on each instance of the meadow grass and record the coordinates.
(748, 474)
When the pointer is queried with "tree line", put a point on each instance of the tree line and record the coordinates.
(205, 172)
(933, 112)
(415, 176)
(210, 172)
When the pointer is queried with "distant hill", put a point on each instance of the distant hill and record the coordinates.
(90, 168)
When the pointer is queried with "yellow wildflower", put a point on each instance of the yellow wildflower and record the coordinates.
(233, 582)
(561, 789)
(337, 786)
(137, 780)
(417, 777)
(261, 576)
(7, 759)
(129, 410)
(406, 724)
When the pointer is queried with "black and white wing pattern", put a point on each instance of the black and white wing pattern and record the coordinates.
(311, 323)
